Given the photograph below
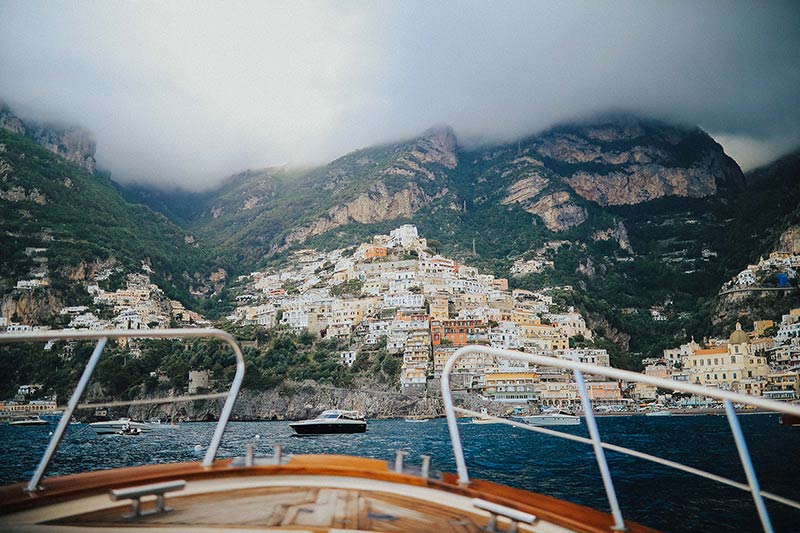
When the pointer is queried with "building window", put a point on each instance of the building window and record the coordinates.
(734, 375)
(733, 359)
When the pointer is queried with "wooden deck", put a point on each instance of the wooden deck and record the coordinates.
(307, 509)
(309, 493)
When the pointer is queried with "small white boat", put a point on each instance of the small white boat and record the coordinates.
(34, 421)
(122, 426)
(157, 424)
(552, 418)
(659, 413)
(485, 421)
(416, 419)
(331, 421)
(478, 420)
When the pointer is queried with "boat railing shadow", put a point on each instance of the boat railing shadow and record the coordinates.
(579, 369)
(102, 338)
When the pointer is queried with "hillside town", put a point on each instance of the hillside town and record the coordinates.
(140, 305)
(394, 293)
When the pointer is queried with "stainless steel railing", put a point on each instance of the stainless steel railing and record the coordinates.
(578, 369)
(102, 338)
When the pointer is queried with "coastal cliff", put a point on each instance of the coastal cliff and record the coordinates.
(300, 400)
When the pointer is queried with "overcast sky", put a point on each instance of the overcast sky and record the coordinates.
(187, 93)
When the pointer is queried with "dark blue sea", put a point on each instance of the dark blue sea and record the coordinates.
(650, 494)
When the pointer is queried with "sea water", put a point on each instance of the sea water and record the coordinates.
(653, 495)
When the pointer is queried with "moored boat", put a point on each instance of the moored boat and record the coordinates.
(659, 413)
(331, 421)
(478, 420)
(157, 424)
(34, 421)
(552, 418)
(121, 426)
(485, 418)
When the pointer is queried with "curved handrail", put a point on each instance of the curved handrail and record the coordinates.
(102, 337)
(579, 369)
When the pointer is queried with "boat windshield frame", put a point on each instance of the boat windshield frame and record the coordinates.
(102, 338)
(578, 369)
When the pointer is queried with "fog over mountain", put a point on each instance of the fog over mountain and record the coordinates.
(186, 93)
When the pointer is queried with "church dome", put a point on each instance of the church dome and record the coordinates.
(739, 336)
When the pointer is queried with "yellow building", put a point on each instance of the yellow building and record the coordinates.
(471, 363)
(439, 307)
(732, 366)
(535, 335)
(414, 372)
(511, 386)
(785, 381)
(604, 392)
(558, 393)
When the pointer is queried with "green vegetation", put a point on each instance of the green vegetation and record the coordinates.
(83, 219)
(280, 356)
(348, 288)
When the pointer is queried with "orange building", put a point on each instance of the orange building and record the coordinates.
(374, 252)
(458, 332)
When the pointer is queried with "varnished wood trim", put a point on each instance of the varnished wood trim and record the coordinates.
(13, 498)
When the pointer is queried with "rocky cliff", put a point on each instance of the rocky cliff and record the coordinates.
(377, 205)
(790, 241)
(617, 233)
(625, 161)
(558, 212)
(297, 401)
(612, 161)
(31, 307)
(72, 143)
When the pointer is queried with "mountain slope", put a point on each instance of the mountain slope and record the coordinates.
(82, 221)
(561, 177)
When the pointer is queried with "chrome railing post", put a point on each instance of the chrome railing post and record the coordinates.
(591, 423)
(44, 462)
(452, 422)
(229, 401)
(747, 463)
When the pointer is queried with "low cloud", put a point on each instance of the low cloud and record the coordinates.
(184, 94)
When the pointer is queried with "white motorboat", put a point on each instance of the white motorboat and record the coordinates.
(35, 421)
(121, 426)
(552, 418)
(331, 421)
(659, 413)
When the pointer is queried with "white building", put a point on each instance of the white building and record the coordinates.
(787, 331)
(505, 336)
(404, 301)
(592, 356)
(405, 236)
(347, 358)
(746, 277)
